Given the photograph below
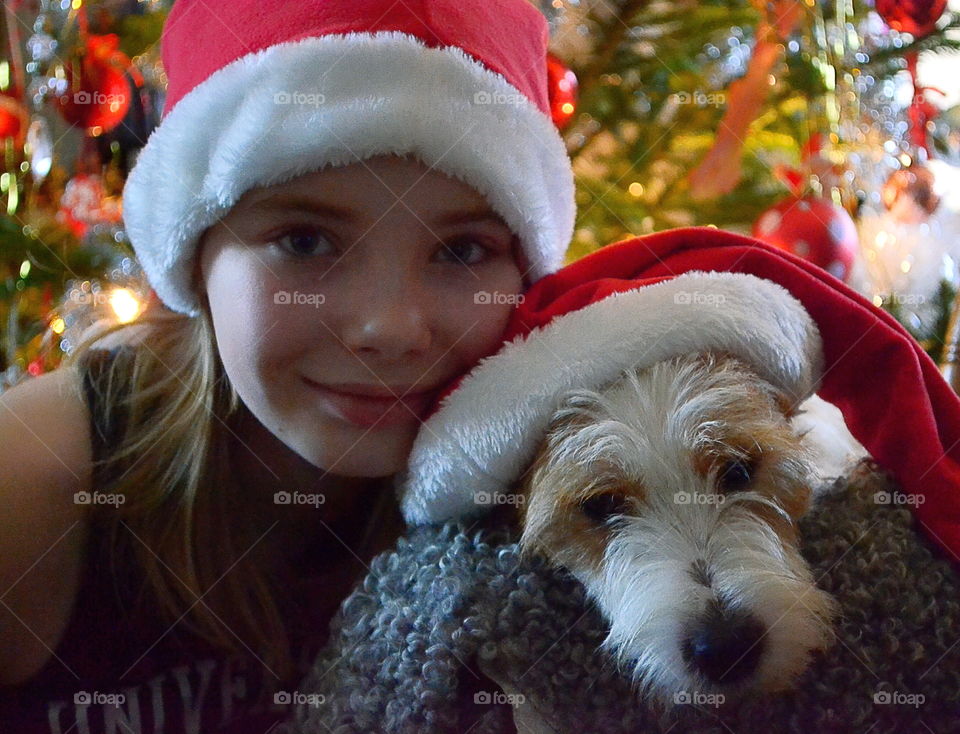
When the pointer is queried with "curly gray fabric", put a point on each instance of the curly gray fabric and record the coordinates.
(446, 596)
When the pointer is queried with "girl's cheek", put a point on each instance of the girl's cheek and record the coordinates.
(316, 284)
(481, 317)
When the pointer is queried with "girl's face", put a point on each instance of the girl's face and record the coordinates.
(343, 300)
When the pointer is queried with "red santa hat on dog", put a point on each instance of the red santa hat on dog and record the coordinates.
(689, 290)
(260, 92)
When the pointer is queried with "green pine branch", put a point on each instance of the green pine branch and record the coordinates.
(630, 128)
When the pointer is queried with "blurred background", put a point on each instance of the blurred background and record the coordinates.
(830, 129)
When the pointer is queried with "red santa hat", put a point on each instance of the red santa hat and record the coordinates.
(260, 92)
(684, 291)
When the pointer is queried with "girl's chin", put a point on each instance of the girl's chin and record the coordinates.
(366, 453)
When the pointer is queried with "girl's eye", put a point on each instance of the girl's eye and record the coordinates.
(304, 243)
(465, 251)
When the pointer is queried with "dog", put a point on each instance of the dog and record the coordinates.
(673, 495)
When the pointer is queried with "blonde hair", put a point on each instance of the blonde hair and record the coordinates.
(171, 466)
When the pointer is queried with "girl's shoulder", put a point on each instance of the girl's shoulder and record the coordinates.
(45, 470)
(55, 427)
(44, 424)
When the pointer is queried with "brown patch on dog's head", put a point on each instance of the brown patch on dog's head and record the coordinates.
(722, 359)
(566, 507)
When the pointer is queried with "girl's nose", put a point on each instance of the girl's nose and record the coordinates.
(390, 322)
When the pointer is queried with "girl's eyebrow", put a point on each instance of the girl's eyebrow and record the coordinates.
(295, 202)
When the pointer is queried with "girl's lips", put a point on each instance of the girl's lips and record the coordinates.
(368, 411)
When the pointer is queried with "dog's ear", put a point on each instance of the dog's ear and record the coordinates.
(784, 402)
(513, 514)
(787, 405)
(534, 517)
(524, 484)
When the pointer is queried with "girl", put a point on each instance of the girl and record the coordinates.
(336, 213)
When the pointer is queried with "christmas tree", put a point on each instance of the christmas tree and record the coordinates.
(79, 85)
(803, 122)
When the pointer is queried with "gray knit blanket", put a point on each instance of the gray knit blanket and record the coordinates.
(446, 597)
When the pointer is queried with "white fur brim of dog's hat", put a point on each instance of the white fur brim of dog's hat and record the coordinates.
(485, 433)
(295, 107)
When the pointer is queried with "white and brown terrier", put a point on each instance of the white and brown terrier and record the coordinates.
(673, 495)
(646, 440)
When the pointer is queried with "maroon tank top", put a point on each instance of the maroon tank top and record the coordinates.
(116, 672)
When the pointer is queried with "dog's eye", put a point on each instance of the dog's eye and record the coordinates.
(735, 475)
(601, 507)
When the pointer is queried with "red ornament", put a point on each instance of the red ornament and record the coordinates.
(916, 17)
(815, 229)
(921, 109)
(562, 91)
(910, 194)
(85, 204)
(13, 119)
(98, 93)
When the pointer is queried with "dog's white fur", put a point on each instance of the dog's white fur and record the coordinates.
(656, 570)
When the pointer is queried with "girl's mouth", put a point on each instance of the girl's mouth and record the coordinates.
(376, 409)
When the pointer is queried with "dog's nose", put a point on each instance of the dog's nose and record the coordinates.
(725, 646)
